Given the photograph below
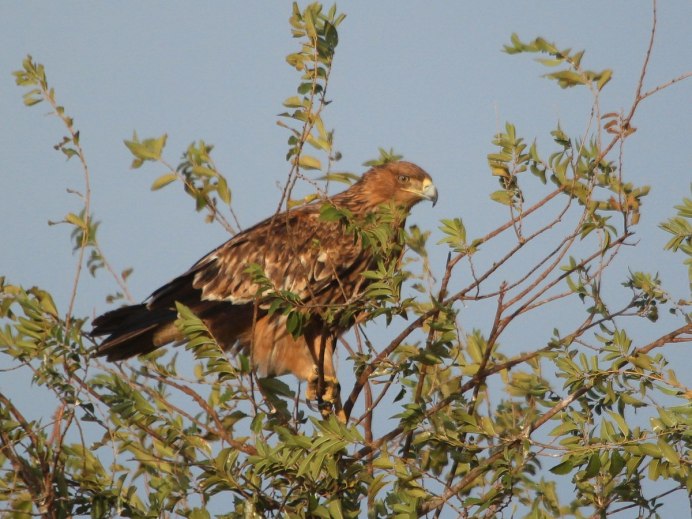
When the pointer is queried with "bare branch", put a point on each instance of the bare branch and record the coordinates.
(668, 338)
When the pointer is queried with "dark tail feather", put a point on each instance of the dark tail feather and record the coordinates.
(133, 330)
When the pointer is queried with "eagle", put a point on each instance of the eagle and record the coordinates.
(316, 253)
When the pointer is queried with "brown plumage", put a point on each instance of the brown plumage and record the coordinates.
(320, 259)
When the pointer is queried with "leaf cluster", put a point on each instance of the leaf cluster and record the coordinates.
(572, 74)
(197, 172)
(681, 229)
(317, 32)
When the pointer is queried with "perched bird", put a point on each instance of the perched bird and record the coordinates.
(318, 252)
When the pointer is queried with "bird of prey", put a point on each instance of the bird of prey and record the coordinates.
(317, 252)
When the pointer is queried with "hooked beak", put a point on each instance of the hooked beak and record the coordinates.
(429, 191)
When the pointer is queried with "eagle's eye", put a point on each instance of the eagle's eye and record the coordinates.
(403, 179)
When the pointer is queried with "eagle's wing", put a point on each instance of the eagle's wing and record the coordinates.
(317, 260)
(297, 252)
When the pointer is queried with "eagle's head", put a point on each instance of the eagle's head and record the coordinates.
(402, 183)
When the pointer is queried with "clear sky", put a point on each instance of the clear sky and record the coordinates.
(428, 79)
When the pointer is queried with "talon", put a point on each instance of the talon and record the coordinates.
(333, 408)
(329, 402)
(332, 390)
(326, 409)
(311, 389)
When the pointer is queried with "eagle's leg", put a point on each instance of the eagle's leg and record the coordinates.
(323, 386)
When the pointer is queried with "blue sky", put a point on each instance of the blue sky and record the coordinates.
(428, 79)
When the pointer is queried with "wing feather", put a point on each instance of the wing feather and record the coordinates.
(297, 252)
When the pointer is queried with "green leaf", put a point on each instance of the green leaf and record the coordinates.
(650, 450)
(309, 162)
(222, 190)
(604, 78)
(385, 157)
(329, 213)
(567, 78)
(75, 220)
(562, 468)
(563, 429)
(499, 171)
(503, 197)
(199, 513)
(617, 463)
(295, 102)
(621, 423)
(148, 149)
(276, 387)
(668, 452)
(335, 509)
(163, 181)
(593, 466)
(344, 178)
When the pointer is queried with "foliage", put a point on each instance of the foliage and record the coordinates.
(681, 229)
(475, 431)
